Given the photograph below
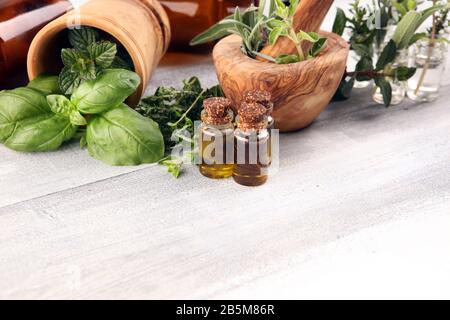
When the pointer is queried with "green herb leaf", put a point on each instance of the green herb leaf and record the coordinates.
(387, 56)
(365, 64)
(68, 81)
(71, 56)
(405, 73)
(287, 59)
(81, 38)
(122, 137)
(27, 124)
(339, 22)
(103, 53)
(47, 84)
(111, 88)
(386, 90)
(318, 47)
(60, 105)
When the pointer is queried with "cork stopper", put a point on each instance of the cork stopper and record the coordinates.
(262, 97)
(217, 111)
(252, 116)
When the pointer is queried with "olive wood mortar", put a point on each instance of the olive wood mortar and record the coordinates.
(300, 91)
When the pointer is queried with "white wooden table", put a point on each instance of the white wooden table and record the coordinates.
(359, 208)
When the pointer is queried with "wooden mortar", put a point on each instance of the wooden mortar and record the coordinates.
(300, 91)
(141, 26)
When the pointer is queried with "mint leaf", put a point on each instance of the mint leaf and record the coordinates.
(70, 56)
(81, 38)
(69, 81)
(103, 53)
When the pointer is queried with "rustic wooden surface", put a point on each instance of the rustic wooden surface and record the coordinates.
(299, 91)
(360, 207)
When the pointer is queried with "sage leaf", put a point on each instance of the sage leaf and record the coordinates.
(287, 59)
(110, 89)
(216, 32)
(103, 53)
(318, 47)
(122, 137)
(339, 22)
(80, 38)
(387, 56)
(27, 124)
(47, 84)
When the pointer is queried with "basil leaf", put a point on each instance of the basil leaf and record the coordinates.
(122, 137)
(339, 22)
(110, 89)
(27, 123)
(62, 106)
(387, 56)
(82, 37)
(103, 53)
(47, 84)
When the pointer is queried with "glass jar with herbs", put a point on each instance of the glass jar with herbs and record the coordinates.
(430, 60)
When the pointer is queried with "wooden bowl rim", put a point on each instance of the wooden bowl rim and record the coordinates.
(235, 41)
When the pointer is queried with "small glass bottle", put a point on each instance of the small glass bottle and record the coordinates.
(216, 139)
(430, 62)
(264, 98)
(252, 146)
(20, 21)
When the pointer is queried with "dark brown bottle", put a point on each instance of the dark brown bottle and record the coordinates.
(191, 17)
(20, 20)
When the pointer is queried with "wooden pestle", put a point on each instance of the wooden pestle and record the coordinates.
(308, 17)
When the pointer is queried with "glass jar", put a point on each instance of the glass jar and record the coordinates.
(216, 146)
(398, 87)
(430, 62)
(20, 20)
(191, 17)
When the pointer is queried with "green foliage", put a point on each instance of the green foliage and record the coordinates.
(257, 29)
(88, 58)
(176, 111)
(122, 137)
(47, 84)
(110, 89)
(28, 124)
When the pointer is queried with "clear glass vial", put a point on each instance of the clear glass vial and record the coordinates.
(252, 146)
(430, 61)
(216, 139)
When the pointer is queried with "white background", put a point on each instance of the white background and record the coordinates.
(402, 259)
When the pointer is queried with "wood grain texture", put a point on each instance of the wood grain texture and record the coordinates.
(300, 91)
(309, 17)
(141, 26)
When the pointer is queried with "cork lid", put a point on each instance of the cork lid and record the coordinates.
(252, 115)
(262, 97)
(217, 111)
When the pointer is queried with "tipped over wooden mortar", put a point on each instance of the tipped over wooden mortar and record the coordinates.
(300, 91)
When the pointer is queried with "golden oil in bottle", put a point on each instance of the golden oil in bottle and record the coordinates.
(217, 139)
(252, 146)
